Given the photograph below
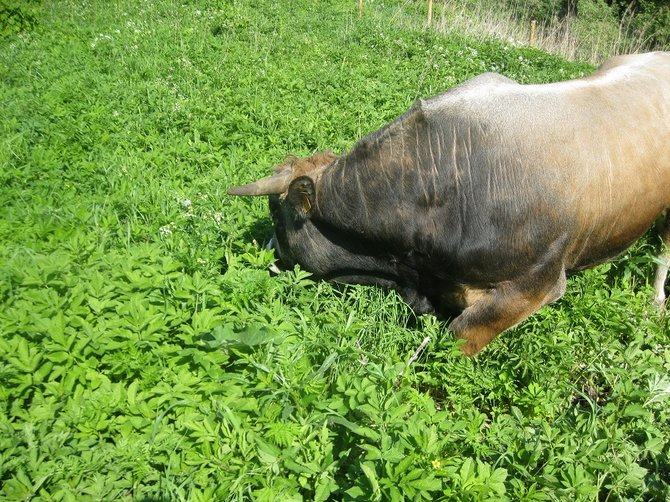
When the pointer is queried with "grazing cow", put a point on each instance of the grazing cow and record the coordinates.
(477, 202)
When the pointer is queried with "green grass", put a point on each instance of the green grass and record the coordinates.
(147, 354)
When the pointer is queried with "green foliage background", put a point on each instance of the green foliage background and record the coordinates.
(645, 20)
(146, 353)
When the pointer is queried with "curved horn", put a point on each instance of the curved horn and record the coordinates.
(271, 185)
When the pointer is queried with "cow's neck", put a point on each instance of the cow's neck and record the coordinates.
(375, 196)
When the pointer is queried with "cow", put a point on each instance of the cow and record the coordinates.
(476, 203)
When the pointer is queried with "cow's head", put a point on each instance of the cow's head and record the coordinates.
(304, 235)
(292, 193)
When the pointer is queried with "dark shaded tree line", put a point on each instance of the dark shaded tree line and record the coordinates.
(644, 19)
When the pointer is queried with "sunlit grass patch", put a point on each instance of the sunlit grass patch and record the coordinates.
(147, 353)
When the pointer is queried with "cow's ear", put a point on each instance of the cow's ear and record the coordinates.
(301, 195)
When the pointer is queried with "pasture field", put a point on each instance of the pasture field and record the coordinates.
(147, 354)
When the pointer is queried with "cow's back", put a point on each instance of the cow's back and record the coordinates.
(586, 161)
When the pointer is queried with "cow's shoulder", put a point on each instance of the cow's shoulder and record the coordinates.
(490, 78)
(479, 84)
(470, 93)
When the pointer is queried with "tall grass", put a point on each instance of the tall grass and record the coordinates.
(591, 37)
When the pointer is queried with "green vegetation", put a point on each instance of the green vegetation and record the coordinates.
(147, 354)
(640, 19)
(584, 30)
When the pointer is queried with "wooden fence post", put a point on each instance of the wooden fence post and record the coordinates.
(360, 8)
(533, 33)
(430, 12)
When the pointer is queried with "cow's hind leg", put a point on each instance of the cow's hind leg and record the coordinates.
(664, 261)
(503, 307)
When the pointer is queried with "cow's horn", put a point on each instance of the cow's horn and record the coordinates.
(272, 185)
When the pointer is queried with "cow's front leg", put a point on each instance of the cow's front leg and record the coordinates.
(497, 309)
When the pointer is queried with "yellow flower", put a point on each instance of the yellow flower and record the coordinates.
(436, 464)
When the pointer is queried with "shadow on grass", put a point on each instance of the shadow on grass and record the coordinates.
(260, 232)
